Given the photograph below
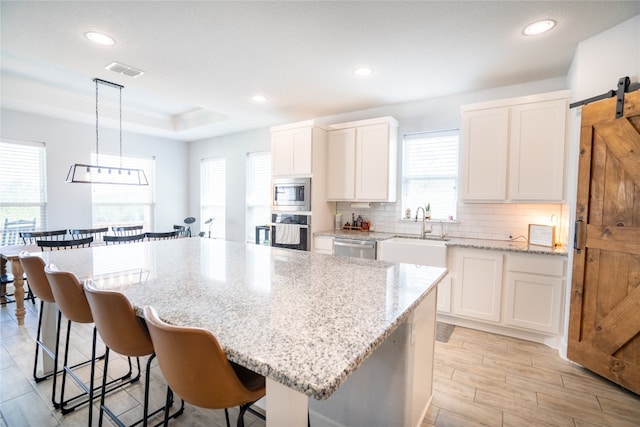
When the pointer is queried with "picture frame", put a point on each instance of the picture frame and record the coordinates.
(542, 235)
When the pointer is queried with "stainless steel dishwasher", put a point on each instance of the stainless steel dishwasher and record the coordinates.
(354, 248)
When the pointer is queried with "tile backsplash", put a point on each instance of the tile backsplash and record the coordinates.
(474, 220)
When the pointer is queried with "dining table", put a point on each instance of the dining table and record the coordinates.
(345, 341)
(9, 257)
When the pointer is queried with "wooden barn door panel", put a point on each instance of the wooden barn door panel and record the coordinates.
(604, 320)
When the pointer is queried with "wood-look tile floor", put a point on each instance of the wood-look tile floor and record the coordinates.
(481, 379)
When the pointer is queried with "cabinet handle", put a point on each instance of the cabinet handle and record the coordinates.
(578, 235)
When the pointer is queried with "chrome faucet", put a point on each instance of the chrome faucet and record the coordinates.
(424, 221)
(442, 233)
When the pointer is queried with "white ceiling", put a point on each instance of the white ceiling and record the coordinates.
(203, 61)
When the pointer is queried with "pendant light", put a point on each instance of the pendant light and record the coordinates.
(96, 174)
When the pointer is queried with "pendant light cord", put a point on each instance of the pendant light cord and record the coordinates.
(120, 126)
(97, 135)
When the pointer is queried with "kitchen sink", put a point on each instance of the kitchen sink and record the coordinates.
(414, 251)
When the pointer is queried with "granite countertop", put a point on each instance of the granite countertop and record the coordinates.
(302, 319)
(496, 245)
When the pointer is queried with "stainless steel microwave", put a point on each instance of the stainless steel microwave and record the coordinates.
(291, 194)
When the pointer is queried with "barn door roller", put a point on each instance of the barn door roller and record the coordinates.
(624, 86)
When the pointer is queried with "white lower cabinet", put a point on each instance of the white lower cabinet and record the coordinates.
(534, 292)
(478, 284)
(510, 291)
(323, 245)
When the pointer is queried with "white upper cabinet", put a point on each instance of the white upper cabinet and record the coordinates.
(341, 163)
(513, 150)
(291, 150)
(485, 140)
(362, 160)
(537, 151)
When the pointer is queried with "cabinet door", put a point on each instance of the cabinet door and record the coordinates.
(443, 304)
(485, 136)
(537, 151)
(281, 153)
(534, 301)
(341, 160)
(301, 155)
(478, 285)
(372, 163)
(323, 245)
(291, 152)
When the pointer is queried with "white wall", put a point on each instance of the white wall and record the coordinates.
(418, 116)
(234, 149)
(69, 205)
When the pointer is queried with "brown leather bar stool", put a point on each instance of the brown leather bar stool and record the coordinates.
(197, 369)
(34, 270)
(124, 332)
(72, 302)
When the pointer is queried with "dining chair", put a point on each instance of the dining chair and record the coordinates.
(81, 233)
(31, 237)
(64, 244)
(197, 369)
(127, 230)
(12, 229)
(181, 229)
(111, 240)
(162, 235)
(122, 331)
(72, 302)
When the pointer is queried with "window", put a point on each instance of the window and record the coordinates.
(23, 191)
(114, 204)
(430, 172)
(258, 192)
(213, 197)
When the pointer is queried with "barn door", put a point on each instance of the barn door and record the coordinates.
(604, 320)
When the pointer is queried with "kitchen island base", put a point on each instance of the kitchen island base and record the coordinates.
(393, 387)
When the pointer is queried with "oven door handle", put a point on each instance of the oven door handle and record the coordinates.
(275, 224)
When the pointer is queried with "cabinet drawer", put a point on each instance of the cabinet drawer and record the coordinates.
(550, 265)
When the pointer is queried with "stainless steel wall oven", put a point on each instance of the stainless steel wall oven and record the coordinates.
(291, 231)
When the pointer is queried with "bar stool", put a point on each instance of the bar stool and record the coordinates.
(197, 369)
(69, 295)
(124, 332)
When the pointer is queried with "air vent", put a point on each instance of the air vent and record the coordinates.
(119, 68)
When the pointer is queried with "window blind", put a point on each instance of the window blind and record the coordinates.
(23, 191)
(258, 193)
(124, 204)
(213, 196)
(430, 172)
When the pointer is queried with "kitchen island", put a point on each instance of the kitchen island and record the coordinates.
(354, 335)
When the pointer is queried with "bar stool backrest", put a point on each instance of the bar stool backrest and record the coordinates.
(69, 295)
(196, 367)
(34, 269)
(118, 325)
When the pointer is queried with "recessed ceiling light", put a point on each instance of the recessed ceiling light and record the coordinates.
(363, 71)
(539, 27)
(258, 98)
(100, 38)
